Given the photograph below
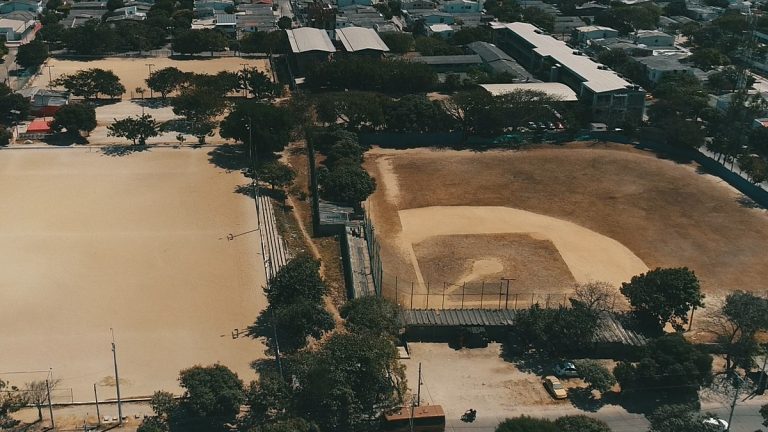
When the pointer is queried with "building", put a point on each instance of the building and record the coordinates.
(261, 19)
(15, 30)
(445, 31)
(582, 35)
(612, 99)
(450, 63)
(564, 25)
(542, 6)
(344, 3)
(208, 8)
(361, 41)
(44, 102)
(653, 38)
(135, 13)
(33, 6)
(499, 61)
(308, 46)
(560, 91)
(659, 66)
(462, 6)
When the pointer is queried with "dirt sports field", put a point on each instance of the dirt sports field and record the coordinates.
(549, 217)
(137, 243)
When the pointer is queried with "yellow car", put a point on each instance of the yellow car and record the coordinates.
(555, 387)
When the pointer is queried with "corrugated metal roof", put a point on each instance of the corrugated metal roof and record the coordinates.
(359, 39)
(449, 59)
(305, 39)
(458, 317)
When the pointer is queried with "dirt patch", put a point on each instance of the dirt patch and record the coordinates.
(489, 257)
(667, 214)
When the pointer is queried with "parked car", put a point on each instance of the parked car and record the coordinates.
(566, 369)
(555, 387)
(719, 424)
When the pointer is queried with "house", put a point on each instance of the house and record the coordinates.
(538, 4)
(499, 61)
(44, 102)
(612, 99)
(590, 9)
(564, 25)
(39, 128)
(429, 17)
(128, 13)
(361, 16)
(418, 4)
(445, 31)
(659, 66)
(620, 44)
(462, 6)
(15, 30)
(254, 20)
(208, 8)
(653, 38)
(361, 41)
(582, 35)
(309, 46)
(705, 13)
(33, 6)
(345, 3)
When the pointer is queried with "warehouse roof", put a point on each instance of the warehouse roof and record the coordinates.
(360, 39)
(306, 39)
(458, 317)
(449, 59)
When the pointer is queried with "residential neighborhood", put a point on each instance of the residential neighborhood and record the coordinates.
(395, 215)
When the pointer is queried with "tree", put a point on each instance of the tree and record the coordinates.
(11, 400)
(166, 80)
(556, 331)
(348, 382)
(372, 314)
(152, 424)
(668, 365)
(32, 54)
(90, 83)
(298, 280)
(360, 73)
(284, 23)
(5, 136)
(435, 46)
(264, 127)
(265, 42)
(581, 423)
(539, 18)
(596, 375)
(708, 58)
(276, 174)
(75, 118)
(343, 152)
(260, 85)
(292, 324)
(764, 414)
(664, 295)
(679, 418)
(197, 41)
(212, 396)
(10, 102)
(527, 424)
(270, 399)
(36, 393)
(596, 296)
(347, 184)
(136, 129)
(114, 4)
(736, 325)
(397, 42)
(163, 404)
(198, 104)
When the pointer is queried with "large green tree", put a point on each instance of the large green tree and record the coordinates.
(581, 423)
(212, 396)
(11, 400)
(166, 80)
(668, 365)
(347, 184)
(136, 129)
(32, 54)
(10, 102)
(736, 326)
(298, 280)
(276, 174)
(597, 376)
(679, 418)
(75, 118)
(664, 295)
(291, 325)
(198, 41)
(260, 85)
(91, 83)
(556, 331)
(372, 314)
(267, 128)
(527, 424)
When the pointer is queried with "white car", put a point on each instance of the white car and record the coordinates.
(566, 369)
(720, 424)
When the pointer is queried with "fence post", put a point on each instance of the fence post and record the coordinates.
(500, 287)
(443, 305)
(463, 288)
(482, 291)
(515, 301)
(427, 295)
(411, 295)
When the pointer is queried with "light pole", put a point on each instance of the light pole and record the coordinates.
(149, 65)
(50, 78)
(117, 380)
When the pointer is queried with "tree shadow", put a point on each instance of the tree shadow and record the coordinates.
(153, 103)
(65, 140)
(531, 361)
(123, 150)
(231, 157)
(583, 399)
(177, 125)
(646, 402)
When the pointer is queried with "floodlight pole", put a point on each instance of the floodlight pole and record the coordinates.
(50, 407)
(96, 397)
(117, 380)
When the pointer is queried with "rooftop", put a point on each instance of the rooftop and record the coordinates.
(359, 39)
(449, 59)
(664, 62)
(488, 51)
(16, 25)
(594, 75)
(561, 91)
(306, 39)
(592, 28)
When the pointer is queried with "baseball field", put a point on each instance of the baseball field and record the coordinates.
(552, 216)
(139, 244)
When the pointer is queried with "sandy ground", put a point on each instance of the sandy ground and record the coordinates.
(135, 243)
(610, 211)
(133, 71)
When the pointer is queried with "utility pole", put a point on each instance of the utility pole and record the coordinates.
(50, 406)
(418, 391)
(117, 380)
(96, 396)
(245, 80)
(50, 79)
(149, 65)
(737, 386)
(506, 301)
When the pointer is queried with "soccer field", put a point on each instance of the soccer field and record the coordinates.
(136, 243)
